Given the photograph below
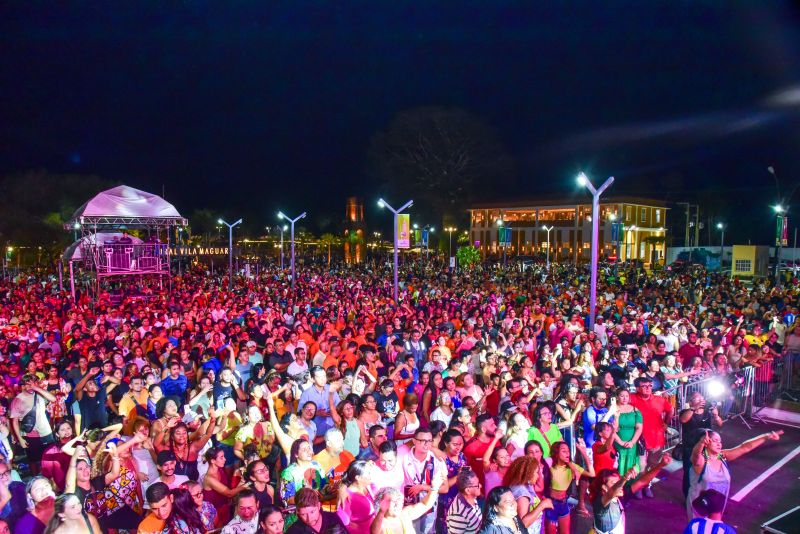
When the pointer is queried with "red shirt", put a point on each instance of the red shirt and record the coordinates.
(653, 424)
(474, 452)
(603, 460)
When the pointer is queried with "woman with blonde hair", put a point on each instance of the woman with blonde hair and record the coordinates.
(444, 408)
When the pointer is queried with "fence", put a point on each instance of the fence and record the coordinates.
(732, 393)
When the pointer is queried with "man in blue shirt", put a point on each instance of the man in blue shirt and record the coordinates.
(709, 505)
(319, 394)
(595, 413)
(175, 383)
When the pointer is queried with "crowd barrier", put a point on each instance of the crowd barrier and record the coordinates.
(731, 393)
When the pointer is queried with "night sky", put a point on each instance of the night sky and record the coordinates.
(245, 107)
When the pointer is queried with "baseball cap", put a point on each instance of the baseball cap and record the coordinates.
(251, 344)
(165, 456)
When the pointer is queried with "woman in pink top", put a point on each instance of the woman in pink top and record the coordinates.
(357, 507)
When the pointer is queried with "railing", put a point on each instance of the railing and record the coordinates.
(130, 258)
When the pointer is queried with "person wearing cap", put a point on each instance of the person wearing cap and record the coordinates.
(166, 462)
(709, 506)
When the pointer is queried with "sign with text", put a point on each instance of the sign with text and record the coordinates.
(403, 230)
(198, 251)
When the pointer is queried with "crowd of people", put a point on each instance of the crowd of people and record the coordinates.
(479, 402)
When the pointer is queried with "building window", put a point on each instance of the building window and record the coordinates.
(644, 214)
(744, 266)
(627, 213)
(658, 216)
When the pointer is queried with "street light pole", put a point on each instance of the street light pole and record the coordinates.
(450, 231)
(545, 228)
(291, 221)
(584, 181)
(282, 229)
(383, 204)
(721, 228)
(230, 250)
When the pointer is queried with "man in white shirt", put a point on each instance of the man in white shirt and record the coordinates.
(420, 466)
(166, 462)
(246, 519)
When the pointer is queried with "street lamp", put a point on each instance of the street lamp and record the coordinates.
(721, 227)
(450, 230)
(230, 250)
(584, 181)
(546, 229)
(291, 221)
(383, 204)
(501, 223)
(282, 229)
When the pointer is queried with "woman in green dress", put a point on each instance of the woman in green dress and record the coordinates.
(629, 429)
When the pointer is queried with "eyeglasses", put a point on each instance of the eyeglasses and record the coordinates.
(476, 486)
(199, 494)
(423, 440)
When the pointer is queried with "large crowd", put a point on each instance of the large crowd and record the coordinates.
(479, 402)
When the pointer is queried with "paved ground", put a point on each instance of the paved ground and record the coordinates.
(774, 496)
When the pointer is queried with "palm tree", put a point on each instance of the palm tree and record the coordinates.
(329, 240)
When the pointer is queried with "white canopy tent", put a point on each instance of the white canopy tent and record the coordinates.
(126, 205)
(102, 220)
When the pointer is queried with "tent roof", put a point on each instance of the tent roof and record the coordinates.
(74, 252)
(126, 205)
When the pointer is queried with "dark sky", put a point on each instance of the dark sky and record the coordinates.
(251, 106)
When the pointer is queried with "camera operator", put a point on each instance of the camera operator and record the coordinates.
(694, 417)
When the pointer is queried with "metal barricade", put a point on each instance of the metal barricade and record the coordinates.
(766, 384)
(789, 379)
(732, 393)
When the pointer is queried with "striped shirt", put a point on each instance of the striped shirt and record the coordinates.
(701, 525)
(462, 517)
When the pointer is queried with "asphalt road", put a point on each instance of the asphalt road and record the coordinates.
(780, 492)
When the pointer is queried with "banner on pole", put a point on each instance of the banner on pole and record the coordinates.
(504, 235)
(782, 231)
(616, 232)
(404, 230)
(425, 238)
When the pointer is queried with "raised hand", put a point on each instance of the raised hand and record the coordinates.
(775, 435)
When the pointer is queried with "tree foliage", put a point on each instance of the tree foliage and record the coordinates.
(468, 256)
(439, 157)
(38, 203)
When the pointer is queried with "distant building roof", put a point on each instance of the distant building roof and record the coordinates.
(565, 201)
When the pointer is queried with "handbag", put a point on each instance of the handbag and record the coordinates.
(641, 446)
(28, 422)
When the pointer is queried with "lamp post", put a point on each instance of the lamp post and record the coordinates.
(282, 229)
(546, 229)
(584, 181)
(501, 223)
(383, 204)
(230, 250)
(721, 228)
(450, 230)
(779, 212)
(281, 215)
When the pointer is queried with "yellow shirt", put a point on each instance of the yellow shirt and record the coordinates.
(562, 477)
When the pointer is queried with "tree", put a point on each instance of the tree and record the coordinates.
(39, 203)
(203, 222)
(439, 157)
(468, 256)
(329, 240)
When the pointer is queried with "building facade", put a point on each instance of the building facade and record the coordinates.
(641, 231)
